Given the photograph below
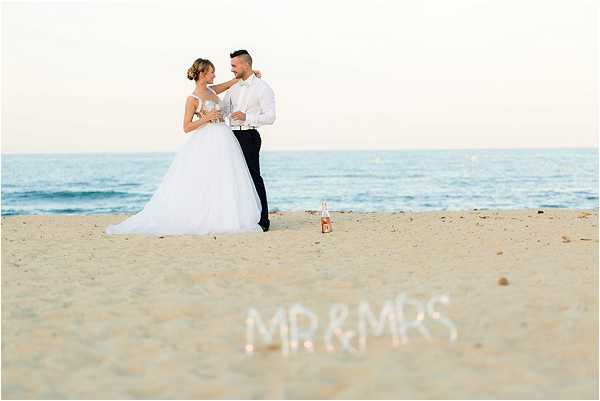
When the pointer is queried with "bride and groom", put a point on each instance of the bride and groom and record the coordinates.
(213, 184)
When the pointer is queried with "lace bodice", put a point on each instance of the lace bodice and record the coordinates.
(206, 105)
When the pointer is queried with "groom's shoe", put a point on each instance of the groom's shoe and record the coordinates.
(265, 227)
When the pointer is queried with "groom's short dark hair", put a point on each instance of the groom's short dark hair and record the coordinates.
(244, 53)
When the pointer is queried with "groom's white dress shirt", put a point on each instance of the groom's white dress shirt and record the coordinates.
(254, 97)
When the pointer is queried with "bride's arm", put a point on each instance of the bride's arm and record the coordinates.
(222, 87)
(190, 109)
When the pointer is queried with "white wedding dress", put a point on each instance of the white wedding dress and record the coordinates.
(206, 190)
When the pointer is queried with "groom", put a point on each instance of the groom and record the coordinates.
(251, 103)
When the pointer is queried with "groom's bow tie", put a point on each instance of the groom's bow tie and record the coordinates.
(244, 83)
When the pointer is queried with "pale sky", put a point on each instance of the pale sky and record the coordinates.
(111, 76)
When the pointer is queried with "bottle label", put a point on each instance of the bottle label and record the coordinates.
(326, 225)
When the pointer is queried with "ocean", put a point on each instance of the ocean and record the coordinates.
(361, 181)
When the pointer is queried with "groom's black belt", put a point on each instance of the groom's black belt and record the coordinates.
(242, 127)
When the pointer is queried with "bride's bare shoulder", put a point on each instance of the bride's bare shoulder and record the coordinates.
(192, 99)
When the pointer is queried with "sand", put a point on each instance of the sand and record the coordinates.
(86, 315)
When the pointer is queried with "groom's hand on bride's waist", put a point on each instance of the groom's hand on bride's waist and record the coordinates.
(238, 115)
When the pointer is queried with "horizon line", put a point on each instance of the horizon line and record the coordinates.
(309, 150)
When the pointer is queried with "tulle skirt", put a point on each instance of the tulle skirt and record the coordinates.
(206, 190)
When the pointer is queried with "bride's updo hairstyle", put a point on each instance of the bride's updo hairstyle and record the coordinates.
(200, 66)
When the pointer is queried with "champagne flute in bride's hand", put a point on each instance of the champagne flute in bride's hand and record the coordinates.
(220, 110)
(210, 106)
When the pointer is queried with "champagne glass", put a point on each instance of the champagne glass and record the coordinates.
(209, 106)
(231, 120)
(220, 110)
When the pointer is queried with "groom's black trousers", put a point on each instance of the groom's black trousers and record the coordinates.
(250, 142)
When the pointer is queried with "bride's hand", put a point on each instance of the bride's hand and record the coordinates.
(210, 116)
(257, 73)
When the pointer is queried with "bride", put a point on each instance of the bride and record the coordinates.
(207, 188)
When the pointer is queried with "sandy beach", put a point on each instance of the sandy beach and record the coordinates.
(86, 315)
